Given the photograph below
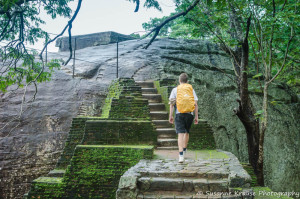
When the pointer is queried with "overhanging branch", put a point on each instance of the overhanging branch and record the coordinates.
(161, 25)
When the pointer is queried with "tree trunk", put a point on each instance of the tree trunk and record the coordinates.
(263, 127)
(246, 113)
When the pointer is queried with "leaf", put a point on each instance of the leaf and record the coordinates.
(257, 75)
(274, 103)
(259, 112)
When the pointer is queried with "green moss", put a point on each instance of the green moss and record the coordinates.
(194, 154)
(114, 92)
(48, 180)
(250, 171)
(95, 170)
(47, 187)
(210, 154)
(116, 146)
(201, 137)
(164, 92)
(108, 132)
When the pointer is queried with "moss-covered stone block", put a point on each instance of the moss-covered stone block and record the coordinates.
(47, 187)
(164, 89)
(95, 170)
(74, 138)
(119, 132)
(201, 136)
(124, 101)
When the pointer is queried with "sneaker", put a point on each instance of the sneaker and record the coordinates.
(184, 153)
(181, 159)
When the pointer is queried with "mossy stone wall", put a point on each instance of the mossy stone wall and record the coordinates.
(119, 132)
(201, 136)
(164, 88)
(48, 188)
(74, 138)
(94, 172)
(127, 107)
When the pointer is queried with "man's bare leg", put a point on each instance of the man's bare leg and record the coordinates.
(180, 141)
(180, 147)
(186, 139)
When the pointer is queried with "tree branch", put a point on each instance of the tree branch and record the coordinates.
(137, 6)
(63, 31)
(285, 56)
(159, 27)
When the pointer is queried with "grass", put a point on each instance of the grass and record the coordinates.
(192, 154)
(116, 146)
(48, 180)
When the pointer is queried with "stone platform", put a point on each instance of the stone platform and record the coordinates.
(200, 176)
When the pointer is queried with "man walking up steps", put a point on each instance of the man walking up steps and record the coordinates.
(184, 100)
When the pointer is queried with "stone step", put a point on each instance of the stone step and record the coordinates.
(166, 133)
(159, 115)
(157, 107)
(167, 148)
(182, 184)
(25, 196)
(166, 195)
(57, 173)
(152, 98)
(189, 195)
(162, 123)
(188, 174)
(166, 136)
(145, 84)
(166, 142)
(149, 90)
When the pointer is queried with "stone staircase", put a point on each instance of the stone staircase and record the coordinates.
(166, 179)
(166, 135)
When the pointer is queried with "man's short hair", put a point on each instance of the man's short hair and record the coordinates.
(183, 78)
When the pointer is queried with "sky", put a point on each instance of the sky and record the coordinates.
(106, 15)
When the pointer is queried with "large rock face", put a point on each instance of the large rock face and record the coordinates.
(32, 148)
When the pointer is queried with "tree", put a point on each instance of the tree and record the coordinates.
(20, 24)
(258, 31)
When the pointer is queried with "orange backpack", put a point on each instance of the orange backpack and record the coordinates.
(185, 101)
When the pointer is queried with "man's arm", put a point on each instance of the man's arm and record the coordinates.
(196, 112)
(171, 119)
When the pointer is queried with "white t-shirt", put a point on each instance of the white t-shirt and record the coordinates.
(174, 94)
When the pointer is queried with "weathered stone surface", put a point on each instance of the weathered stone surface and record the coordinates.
(32, 149)
(128, 182)
(167, 176)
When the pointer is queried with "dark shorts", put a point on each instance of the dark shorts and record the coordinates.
(183, 122)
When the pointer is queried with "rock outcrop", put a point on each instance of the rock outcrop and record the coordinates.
(95, 39)
(32, 148)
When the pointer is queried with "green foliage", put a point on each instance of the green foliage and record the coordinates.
(213, 20)
(135, 35)
(259, 114)
(20, 25)
(257, 75)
